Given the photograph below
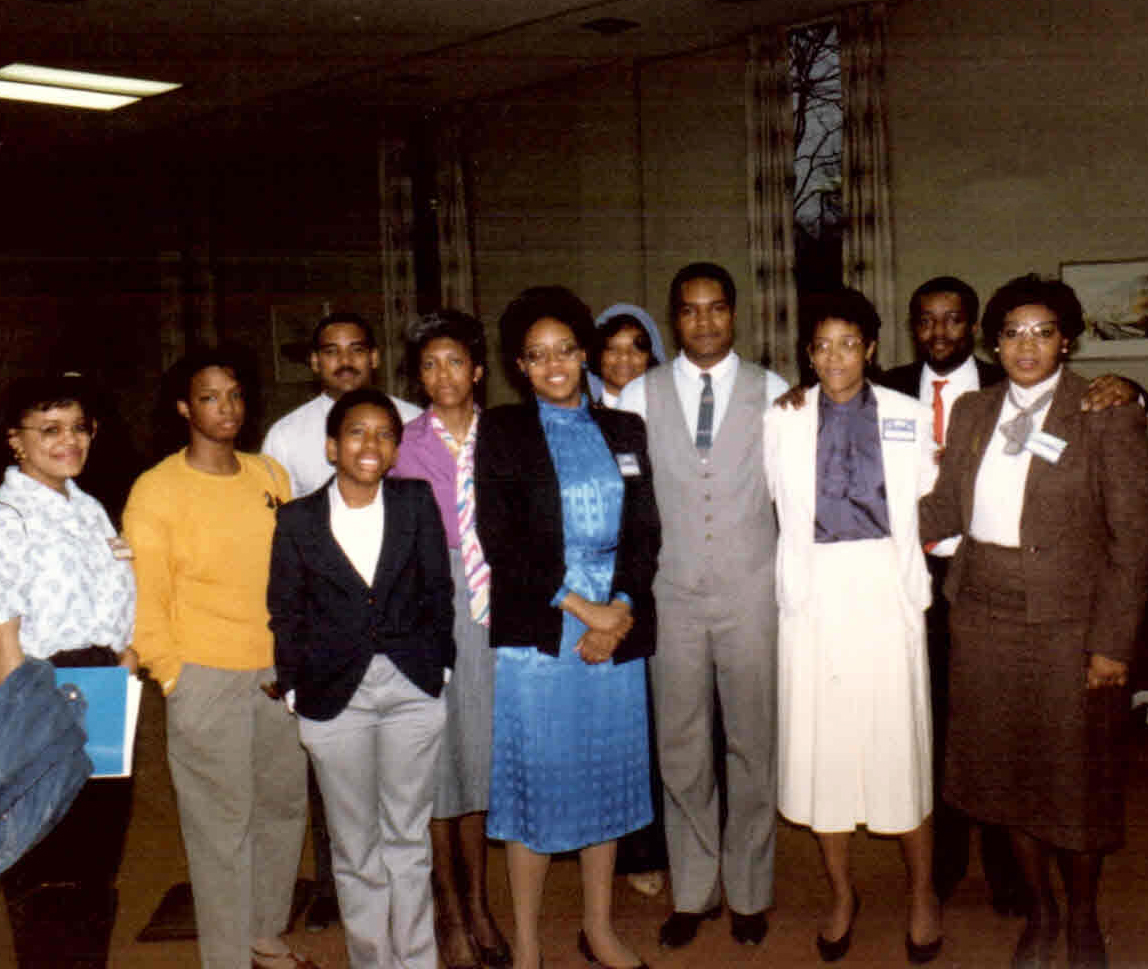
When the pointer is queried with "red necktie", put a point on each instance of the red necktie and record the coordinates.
(938, 413)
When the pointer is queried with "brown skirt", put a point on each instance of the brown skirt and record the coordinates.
(1029, 746)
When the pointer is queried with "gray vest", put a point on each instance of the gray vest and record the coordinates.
(718, 527)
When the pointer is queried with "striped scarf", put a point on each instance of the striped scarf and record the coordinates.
(473, 561)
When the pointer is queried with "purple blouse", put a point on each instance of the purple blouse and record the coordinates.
(851, 501)
(423, 455)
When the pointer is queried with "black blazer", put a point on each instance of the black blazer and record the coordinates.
(907, 379)
(520, 527)
(329, 623)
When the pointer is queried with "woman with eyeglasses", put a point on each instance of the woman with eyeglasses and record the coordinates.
(567, 519)
(67, 595)
(845, 472)
(447, 350)
(1046, 590)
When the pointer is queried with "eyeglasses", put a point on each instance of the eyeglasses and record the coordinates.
(1041, 332)
(52, 433)
(537, 356)
(848, 345)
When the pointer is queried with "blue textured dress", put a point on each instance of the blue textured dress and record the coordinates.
(571, 762)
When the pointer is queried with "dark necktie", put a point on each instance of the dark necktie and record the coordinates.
(705, 436)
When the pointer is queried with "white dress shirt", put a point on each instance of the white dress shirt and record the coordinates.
(359, 531)
(999, 496)
(688, 383)
(965, 378)
(298, 441)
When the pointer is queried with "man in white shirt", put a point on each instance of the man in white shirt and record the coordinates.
(344, 357)
(717, 613)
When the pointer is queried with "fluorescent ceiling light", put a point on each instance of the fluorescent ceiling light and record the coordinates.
(107, 83)
(64, 96)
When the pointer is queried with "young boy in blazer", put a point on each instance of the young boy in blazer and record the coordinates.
(361, 606)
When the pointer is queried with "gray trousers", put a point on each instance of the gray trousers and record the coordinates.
(240, 780)
(727, 640)
(376, 767)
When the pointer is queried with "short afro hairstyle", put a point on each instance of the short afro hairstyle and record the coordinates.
(532, 305)
(1028, 290)
(364, 395)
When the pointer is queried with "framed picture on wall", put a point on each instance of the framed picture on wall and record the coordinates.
(291, 325)
(1114, 295)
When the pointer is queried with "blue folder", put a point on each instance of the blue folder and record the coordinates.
(110, 721)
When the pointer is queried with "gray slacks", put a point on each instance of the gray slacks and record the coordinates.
(725, 639)
(376, 767)
(240, 780)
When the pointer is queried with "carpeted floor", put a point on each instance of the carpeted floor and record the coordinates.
(976, 938)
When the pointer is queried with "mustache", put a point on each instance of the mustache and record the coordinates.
(347, 371)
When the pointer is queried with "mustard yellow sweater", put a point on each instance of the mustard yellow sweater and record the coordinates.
(202, 547)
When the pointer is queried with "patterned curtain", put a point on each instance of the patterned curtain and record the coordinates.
(868, 242)
(455, 258)
(769, 124)
(396, 235)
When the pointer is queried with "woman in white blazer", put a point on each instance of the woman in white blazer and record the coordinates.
(845, 472)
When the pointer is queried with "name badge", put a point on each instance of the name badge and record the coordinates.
(1046, 446)
(628, 465)
(898, 429)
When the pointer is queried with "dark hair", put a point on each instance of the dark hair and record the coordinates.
(44, 393)
(701, 270)
(970, 303)
(364, 395)
(447, 324)
(610, 329)
(178, 379)
(1032, 289)
(532, 305)
(841, 304)
(331, 319)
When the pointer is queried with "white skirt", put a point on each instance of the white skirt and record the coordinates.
(853, 690)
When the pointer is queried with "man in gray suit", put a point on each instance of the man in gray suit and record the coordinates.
(717, 613)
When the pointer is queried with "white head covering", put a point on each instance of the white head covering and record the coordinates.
(657, 351)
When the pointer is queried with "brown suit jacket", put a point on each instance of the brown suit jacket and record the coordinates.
(1084, 522)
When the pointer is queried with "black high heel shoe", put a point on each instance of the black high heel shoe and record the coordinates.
(588, 954)
(833, 950)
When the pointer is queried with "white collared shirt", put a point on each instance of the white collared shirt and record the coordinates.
(962, 380)
(57, 571)
(688, 384)
(998, 499)
(298, 441)
(359, 531)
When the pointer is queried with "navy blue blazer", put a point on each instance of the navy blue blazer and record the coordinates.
(520, 526)
(329, 624)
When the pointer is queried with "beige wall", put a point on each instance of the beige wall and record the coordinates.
(1018, 137)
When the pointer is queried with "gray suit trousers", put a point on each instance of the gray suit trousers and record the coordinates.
(375, 763)
(726, 638)
(240, 781)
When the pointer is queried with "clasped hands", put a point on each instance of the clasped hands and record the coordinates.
(606, 626)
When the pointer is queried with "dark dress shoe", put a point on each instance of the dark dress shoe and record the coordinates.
(323, 911)
(681, 927)
(921, 952)
(1034, 947)
(588, 954)
(833, 950)
(496, 956)
(748, 929)
(1086, 947)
